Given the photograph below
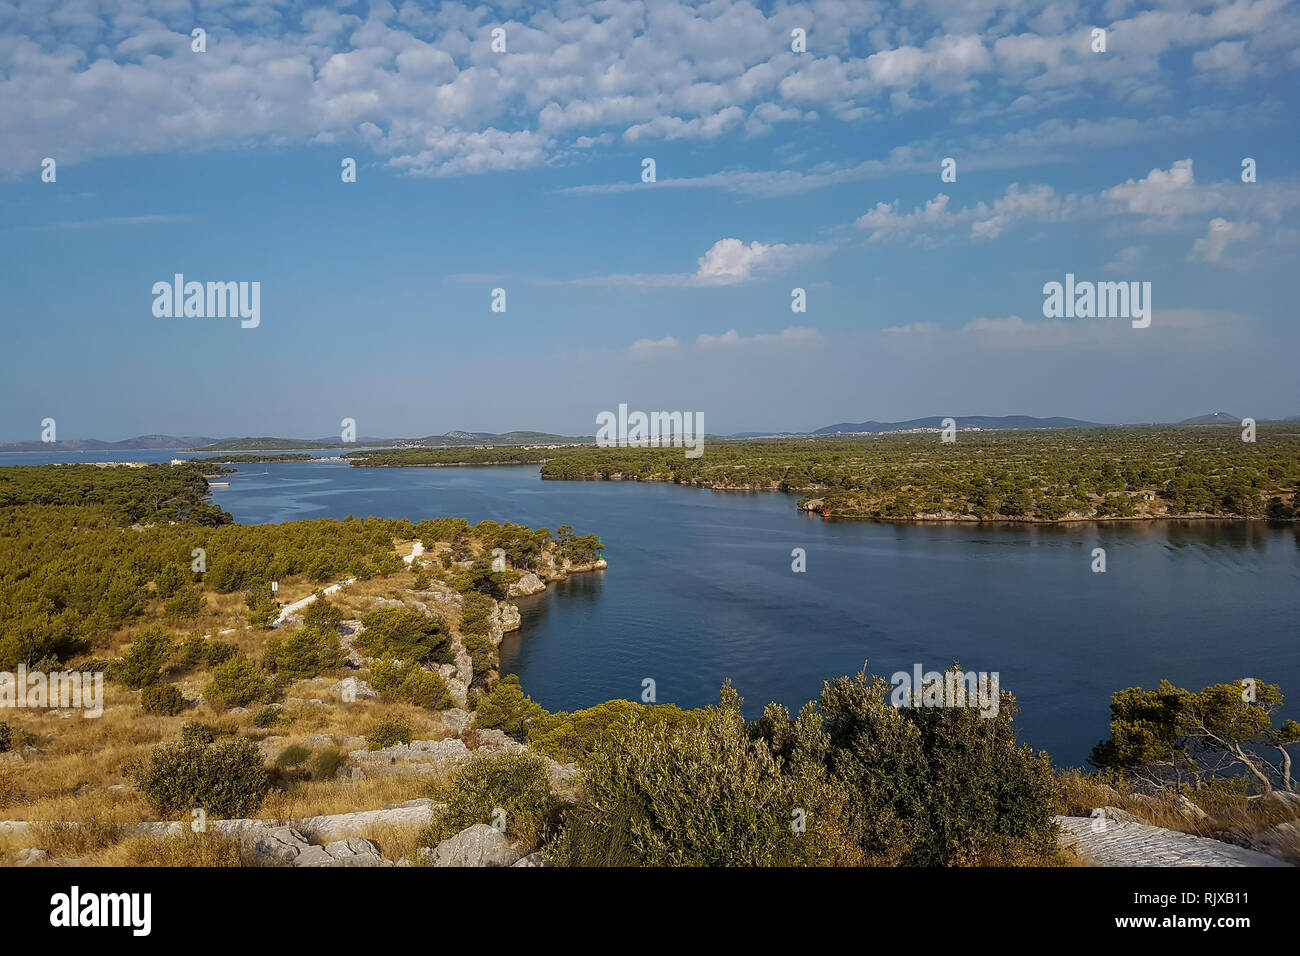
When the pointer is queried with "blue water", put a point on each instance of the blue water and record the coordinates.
(700, 588)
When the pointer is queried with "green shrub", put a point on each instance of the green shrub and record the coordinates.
(293, 756)
(704, 792)
(304, 653)
(476, 613)
(481, 651)
(185, 604)
(321, 614)
(484, 785)
(508, 709)
(406, 634)
(218, 652)
(142, 664)
(389, 731)
(162, 700)
(239, 682)
(932, 786)
(199, 733)
(409, 682)
(227, 778)
(268, 716)
(568, 738)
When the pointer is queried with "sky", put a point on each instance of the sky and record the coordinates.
(775, 169)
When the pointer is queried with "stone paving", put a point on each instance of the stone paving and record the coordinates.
(1123, 843)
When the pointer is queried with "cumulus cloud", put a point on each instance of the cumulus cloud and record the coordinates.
(422, 88)
(729, 341)
(726, 262)
(1212, 247)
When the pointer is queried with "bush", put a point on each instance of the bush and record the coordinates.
(514, 782)
(142, 664)
(933, 786)
(218, 652)
(482, 652)
(508, 709)
(226, 778)
(568, 738)
(476, 613)
(293, 756)
(185, 604)
(162, 700)
(406, 634)
(6, 737)
(268, 716)
(704, 793)
(389, 731)
(304, 653)
(321, 614)
(239, 682)
(200, 733)
(409, 682)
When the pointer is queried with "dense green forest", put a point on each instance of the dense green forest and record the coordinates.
(1045, 475)
(76, 563)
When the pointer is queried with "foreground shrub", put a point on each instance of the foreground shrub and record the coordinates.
(6, 737)
(162, 700)
(388, 732)
(704, 793)
(570, 737)
(227, 778)
(932, 786)
(483, 786)
(239, 682)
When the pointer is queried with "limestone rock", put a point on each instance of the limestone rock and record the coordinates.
(352, 689)
(32, 857)
(528, 584)
(479, 845)
(459, 692)
(456, 720)
(532, 859)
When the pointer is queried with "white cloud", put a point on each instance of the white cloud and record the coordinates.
(423, 89)
(1212, 247)
(726, 262)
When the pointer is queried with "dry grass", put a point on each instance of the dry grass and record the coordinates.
(189, 849)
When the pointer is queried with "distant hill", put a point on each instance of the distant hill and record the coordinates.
(990, 422)
(1214, 418)
(458, 438)
(139, 443)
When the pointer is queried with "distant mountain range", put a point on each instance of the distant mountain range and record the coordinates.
(139, 443)
(457, 438)
(987, 422)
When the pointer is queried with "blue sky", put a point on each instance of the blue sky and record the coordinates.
(522, 170)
